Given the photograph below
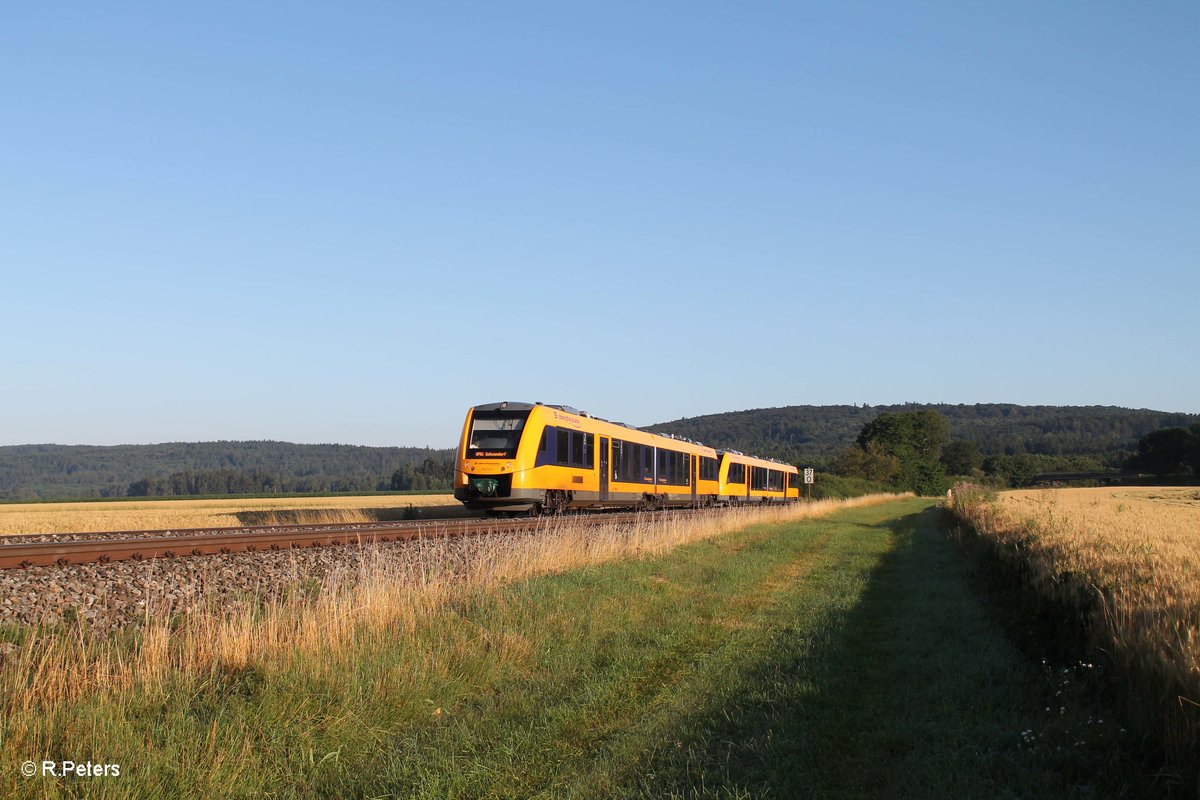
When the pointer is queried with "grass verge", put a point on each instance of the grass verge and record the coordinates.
(843, 656)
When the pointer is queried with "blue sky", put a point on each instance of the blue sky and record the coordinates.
(308, 223)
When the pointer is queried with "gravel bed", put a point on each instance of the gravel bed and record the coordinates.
(107, 596)
(30, 538)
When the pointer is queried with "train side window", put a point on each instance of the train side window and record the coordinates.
(758, 478)
(563, 441)
(674, 468)
(545, 440)
(737, 473)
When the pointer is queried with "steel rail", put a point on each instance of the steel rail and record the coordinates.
(17, 538)
(63, 553)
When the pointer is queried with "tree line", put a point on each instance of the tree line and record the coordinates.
(913, 451)
(430, 475)
(34, 472)
(1061, 438)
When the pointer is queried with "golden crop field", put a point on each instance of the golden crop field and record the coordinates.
(125, 515)
(1144, 541)
(1126, 561)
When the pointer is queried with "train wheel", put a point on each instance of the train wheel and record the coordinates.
(556, 503)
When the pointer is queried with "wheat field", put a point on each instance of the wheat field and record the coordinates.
(1143, 543)
(128, 515)
(1126, 562)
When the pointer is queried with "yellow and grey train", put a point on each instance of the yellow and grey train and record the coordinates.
(531, 457)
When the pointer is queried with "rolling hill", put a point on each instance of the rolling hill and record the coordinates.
(813, 435)
(48, 471)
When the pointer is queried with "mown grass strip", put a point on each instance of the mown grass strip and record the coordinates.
(844, 656)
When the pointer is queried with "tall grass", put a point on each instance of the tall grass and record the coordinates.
(388, 592)
(1124, 563)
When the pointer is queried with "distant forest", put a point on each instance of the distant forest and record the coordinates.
(35, 472)
(1064, 437)
(1061, 438)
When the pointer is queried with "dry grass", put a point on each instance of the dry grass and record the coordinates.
(387, 597)
(21, 518)
(1127, 561)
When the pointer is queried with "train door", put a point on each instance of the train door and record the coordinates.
(603, 468)
(695, 462)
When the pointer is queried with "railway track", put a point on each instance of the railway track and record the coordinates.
(36, 550)
(27, 538)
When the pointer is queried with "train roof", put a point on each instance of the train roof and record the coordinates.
(505, 406)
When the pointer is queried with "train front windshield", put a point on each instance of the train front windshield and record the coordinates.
(495, 434)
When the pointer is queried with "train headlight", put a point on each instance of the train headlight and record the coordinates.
(508, 465)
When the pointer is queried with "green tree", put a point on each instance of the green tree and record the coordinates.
(1167, 451)
(917, 433)
(1015, 471)
(929, 433)
(1194, 450)
(961, 457)
(923, 477)
(872, 463)
(909, 441)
